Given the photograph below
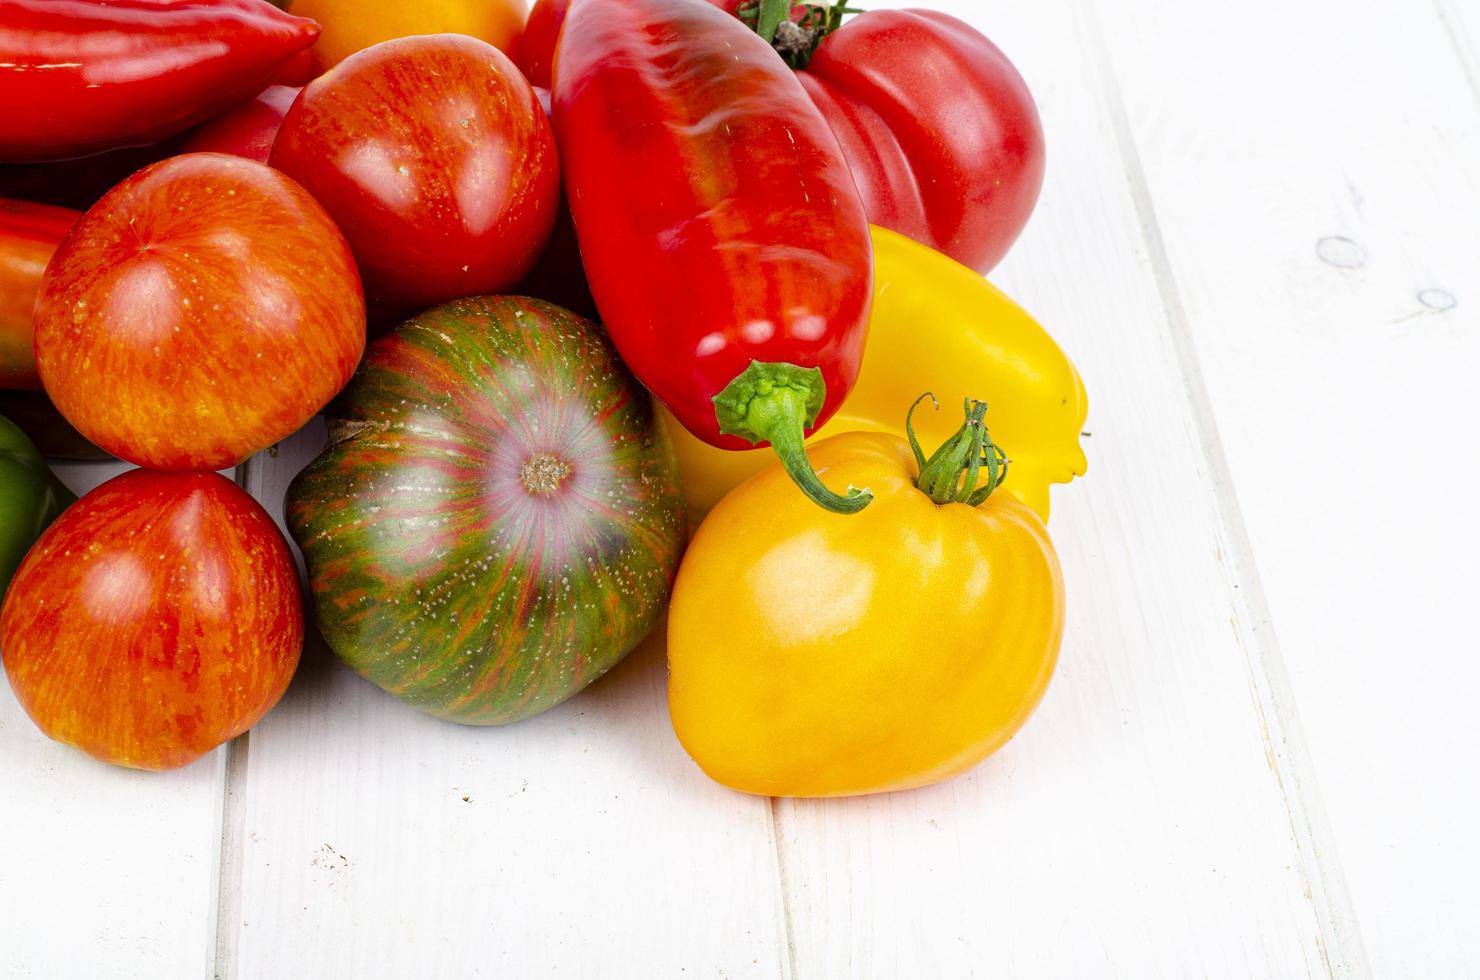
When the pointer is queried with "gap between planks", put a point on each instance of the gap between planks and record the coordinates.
(1340, 941)
(223, 923)
(783, 885)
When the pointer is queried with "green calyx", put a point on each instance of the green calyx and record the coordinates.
(776, 403)
(952, 473)
(796, 40)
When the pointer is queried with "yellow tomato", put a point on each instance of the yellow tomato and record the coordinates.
(350, 25)
(819, 654)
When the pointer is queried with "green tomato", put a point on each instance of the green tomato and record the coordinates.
(31, 497)
(496, 520)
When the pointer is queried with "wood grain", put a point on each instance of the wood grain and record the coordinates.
(1315, 187)
(576, 843)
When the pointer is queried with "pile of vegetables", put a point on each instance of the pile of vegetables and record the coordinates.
(649, 305)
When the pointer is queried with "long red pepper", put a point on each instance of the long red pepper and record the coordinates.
(29, 233)
(722, 234)
(81, 76)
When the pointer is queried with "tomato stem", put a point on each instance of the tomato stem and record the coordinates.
(951, 474)
(776, 402)
(794, 38)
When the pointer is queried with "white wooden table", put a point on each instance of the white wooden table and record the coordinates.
(1259, 241)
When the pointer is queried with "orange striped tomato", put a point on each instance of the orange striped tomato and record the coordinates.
(158, 617)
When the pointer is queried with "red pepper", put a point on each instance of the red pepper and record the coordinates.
(88, 75)
(723, 238)
(29, 233)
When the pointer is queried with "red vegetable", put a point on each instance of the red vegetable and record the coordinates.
(29, 234)
(299, 71)
(204, 309)
(86, 75)
(723, 238)
(537, 47)
(936, 124)
(435, 158)
(938, 127)
(158, 617)
(249, 129)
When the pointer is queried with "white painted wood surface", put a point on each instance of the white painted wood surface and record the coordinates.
(1258, 240)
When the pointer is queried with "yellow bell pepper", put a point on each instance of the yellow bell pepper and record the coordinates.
(936, 326)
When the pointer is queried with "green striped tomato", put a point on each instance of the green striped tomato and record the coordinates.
(496, 520)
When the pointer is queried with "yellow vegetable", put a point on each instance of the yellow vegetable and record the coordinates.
(350, 25)
(819, 654)
(936, 326)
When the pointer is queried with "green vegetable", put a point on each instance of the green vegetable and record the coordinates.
(31, 497)
(497, 519)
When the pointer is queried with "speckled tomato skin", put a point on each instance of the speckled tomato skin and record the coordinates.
(203, 310)
(157, 618)
(434, 156)
(435, 572)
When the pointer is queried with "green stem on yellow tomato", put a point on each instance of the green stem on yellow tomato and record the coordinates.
(950, 475)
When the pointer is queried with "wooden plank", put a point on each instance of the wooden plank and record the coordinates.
(578, 843)
(104, 872)
(1139, 825)
(1313, 176)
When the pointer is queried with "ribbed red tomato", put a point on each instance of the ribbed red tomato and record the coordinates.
(938, 127)
(157, 618)
(204, 309)
(435, 158)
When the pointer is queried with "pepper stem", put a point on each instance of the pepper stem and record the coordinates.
(776, 403)
(951, 474)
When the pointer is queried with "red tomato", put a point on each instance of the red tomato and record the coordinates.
(29, 234)
(249, 129)
(204, 309)
(157, 618)
(435, 158)
(298, 72)
(937, 125)
(541, 31)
